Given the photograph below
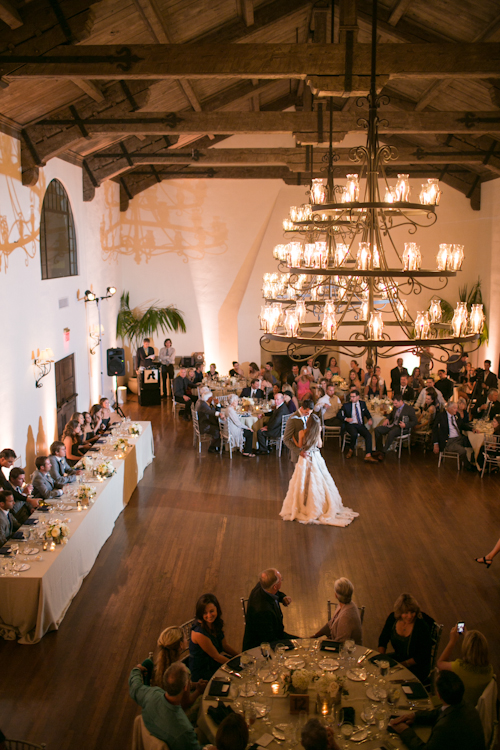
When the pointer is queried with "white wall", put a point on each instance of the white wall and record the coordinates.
(29, 306)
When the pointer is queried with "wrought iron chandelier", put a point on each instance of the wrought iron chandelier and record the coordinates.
(334, 273)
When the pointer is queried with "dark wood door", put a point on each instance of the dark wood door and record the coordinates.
(65, 391)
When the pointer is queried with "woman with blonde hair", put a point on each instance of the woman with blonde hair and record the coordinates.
(312, 495)
(408, 630)
(473, 668)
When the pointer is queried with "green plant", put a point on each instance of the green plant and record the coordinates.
(134, 325)
(472, 297)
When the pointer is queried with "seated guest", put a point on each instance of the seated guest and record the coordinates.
(330, 405)
(190, 375)
(295, 373)
(24, 505)
(208, 418)
(60, 471)
(313, 370)
(145, 355)
(353, 380)
(98, 427)
(463, 412)
(182, 393)
(287, 383)
(358, 370)
(352, 416)
(447, 434)
(212, 372)
(408, 630)
(109, 416)
(254, 369)
(429, 383)
(416, 380)
(473, 668)
(406, 391)
(291, 402)
(232, 734)
(253, 390)
(198, 374)
(368, 372)
(162, 706)
(445, 385)
(236, 370)
(381, 381)
(346, 623)
(88, 433)
(303, 383)
(428, 412)
(373, 389)
(396, 373)
(207, 641)
(455, 725)
(8, 523)
(315, 736)
(70, 436)
(44, 485)
(492, 451)
(242, 436)
(169, 647)
(490, 380)
(333, 367)
(399, 422)
(267, 388)
(272, 429)
(264, 621)
(270, 373)
(487, 406)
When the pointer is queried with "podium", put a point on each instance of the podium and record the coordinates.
(149, 387)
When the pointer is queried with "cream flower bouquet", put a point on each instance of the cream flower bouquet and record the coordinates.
(135, 429)
(85, 493)
(121, 444)
(105, 469)
(56, 532)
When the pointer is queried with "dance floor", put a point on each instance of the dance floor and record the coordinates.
(200, 524)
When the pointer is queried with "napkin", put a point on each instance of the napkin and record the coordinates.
(5, 550)
(31, 522)
(288, 644)
(43, 508)
(234, 664)
(383, 657)
(219, 688)
(18, 535)
(414, 690)
(219, 714)
(330, 646)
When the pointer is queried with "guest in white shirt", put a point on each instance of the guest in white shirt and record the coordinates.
(315, 372)
(429, 383)
(167, 359)
(447, 434)
(329, 404)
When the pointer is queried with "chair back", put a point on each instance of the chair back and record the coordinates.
(491, 451)
(244, 605)
(186, 628)
(22, 745)
(487, 708)
(142, 739)
(436, 630)
(283, 424)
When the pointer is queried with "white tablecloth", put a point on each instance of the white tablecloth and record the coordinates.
(476, 440)
(36, 601)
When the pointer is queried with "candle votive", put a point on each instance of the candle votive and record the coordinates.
(275, 688)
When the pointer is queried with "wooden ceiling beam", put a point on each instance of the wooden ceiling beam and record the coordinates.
(398, 11)
(246, 11)
(271, 61)
(91, 89)
(9, 15)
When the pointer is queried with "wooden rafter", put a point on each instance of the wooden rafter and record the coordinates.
(398, 11)
(9, 15)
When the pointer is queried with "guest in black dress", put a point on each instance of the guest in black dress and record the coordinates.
(408, 630)
(207, 641)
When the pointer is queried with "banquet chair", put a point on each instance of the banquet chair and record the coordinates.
(226, 437)
(176, 405)
(22, 745)
(449, 454)
(487, 708)
(197, 436)
(346, 440)
(330, 430)
(423, 437)
(399, 440)
(244, 605)
(330, 613)
(491, 452)
(436, 630)
(143, 740)
(278, 442)
(186, 628)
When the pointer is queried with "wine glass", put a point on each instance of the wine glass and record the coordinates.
(381, 721)
(265, 649)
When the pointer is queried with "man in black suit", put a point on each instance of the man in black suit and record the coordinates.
(488, 406)
(406, 390)
(447, 433)
(490, 380)
(264, 620)
(401, 419)
(208, 418)
(445, 385)
(352, 416)
(272, 429)
(253, 390)
(22, 506)
(456, 724)
(396, 373)
(182, 393)
(145, 355)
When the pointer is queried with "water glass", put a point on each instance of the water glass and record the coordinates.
(265, 650)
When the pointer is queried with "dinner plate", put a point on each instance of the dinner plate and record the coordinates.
(329, 664)
(295, 662)
(357, 675)
(270, 678)
(279, 732)
(31, 551)
(21, 567)
(359, 735)
(376, 694)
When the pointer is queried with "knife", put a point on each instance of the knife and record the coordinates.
(230, 671)
(363, 656)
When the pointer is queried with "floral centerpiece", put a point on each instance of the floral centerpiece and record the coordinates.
(105, 469)
(85, 493)
(56, 532)
(87, 462)
(247, 402)
(337, 378)
(135, 429)
(121, 444)
(297, 681)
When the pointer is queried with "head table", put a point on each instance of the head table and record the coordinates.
(263, 689)
(37, 585)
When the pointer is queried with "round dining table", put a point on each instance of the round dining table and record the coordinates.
(261, 696)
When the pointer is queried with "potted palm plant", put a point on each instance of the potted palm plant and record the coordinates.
(135, 324)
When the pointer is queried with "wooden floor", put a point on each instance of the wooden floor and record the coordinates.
(200, 524)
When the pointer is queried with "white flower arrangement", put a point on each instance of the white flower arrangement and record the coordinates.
(135, 429)
(87, 462)
(247, 402)
(301, 679)
(85, 492)
(328, 684)
(105, 469)
(337, 378)
(57, 532)
(121, 444)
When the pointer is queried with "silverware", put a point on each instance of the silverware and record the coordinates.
(230, 671)
(363, 656)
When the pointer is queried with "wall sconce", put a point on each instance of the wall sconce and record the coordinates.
(44, 364)
(95, 336)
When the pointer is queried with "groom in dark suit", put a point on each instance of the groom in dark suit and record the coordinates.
(352, 416)
(253, 390)
(264, 619)
(401, 419)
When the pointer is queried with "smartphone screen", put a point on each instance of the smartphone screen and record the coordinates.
(460, 627)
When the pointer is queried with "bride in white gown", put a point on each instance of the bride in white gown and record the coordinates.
(312, 496)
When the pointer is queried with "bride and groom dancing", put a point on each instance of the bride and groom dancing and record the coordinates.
(312, 496)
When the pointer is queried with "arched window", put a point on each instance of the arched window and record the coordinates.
(57, 234)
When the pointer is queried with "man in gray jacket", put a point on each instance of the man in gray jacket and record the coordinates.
(60, 470)
(43, 484)
(294, 425)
